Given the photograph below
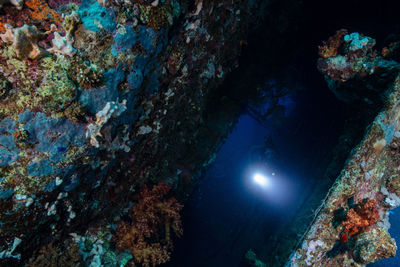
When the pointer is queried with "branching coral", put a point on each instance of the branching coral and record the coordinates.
(148, 236)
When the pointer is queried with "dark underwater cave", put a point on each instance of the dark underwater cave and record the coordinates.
(302, 140)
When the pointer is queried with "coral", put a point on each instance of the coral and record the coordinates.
(57, 90)
(373, 245)
(358, 219)
(74, 111)
(8, 36)
(53, 180)
(62, 45)
(354, 219)
(25, 41)
(9, 253)
(70, 23)
(97, 249)
(111, 109)
(96, 17)
(149, 235)
(355, 57)
(58, 4)
(330, 48)
(55, 256)
(43, 13)
(158, 18)
(5, 86)
(393, 184)
(174, 61)
(358, 44)
(85, 74)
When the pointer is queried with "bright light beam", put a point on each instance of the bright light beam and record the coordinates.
(261, 179)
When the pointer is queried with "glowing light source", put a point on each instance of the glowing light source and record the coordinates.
(260, 179)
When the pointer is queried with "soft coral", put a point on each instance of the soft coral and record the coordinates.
(360, 217)
(148, 236)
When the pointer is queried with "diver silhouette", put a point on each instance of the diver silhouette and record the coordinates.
(264, 153)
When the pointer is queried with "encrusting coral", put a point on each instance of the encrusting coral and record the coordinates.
(148, 236)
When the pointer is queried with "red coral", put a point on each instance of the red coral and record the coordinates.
(358, 219)
(148, 236)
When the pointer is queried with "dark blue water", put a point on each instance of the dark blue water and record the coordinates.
(230, 213)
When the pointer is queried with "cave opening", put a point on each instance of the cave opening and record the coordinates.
(299, 141)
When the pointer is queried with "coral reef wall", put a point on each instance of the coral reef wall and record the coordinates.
(351, 226)
(100, 97)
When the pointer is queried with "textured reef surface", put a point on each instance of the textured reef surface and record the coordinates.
(351, 226)
(98, 100)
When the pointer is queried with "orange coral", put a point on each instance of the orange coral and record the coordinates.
(42, 12)
(3, 22)
(358, 219)
(330, 48)
(148, 236)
